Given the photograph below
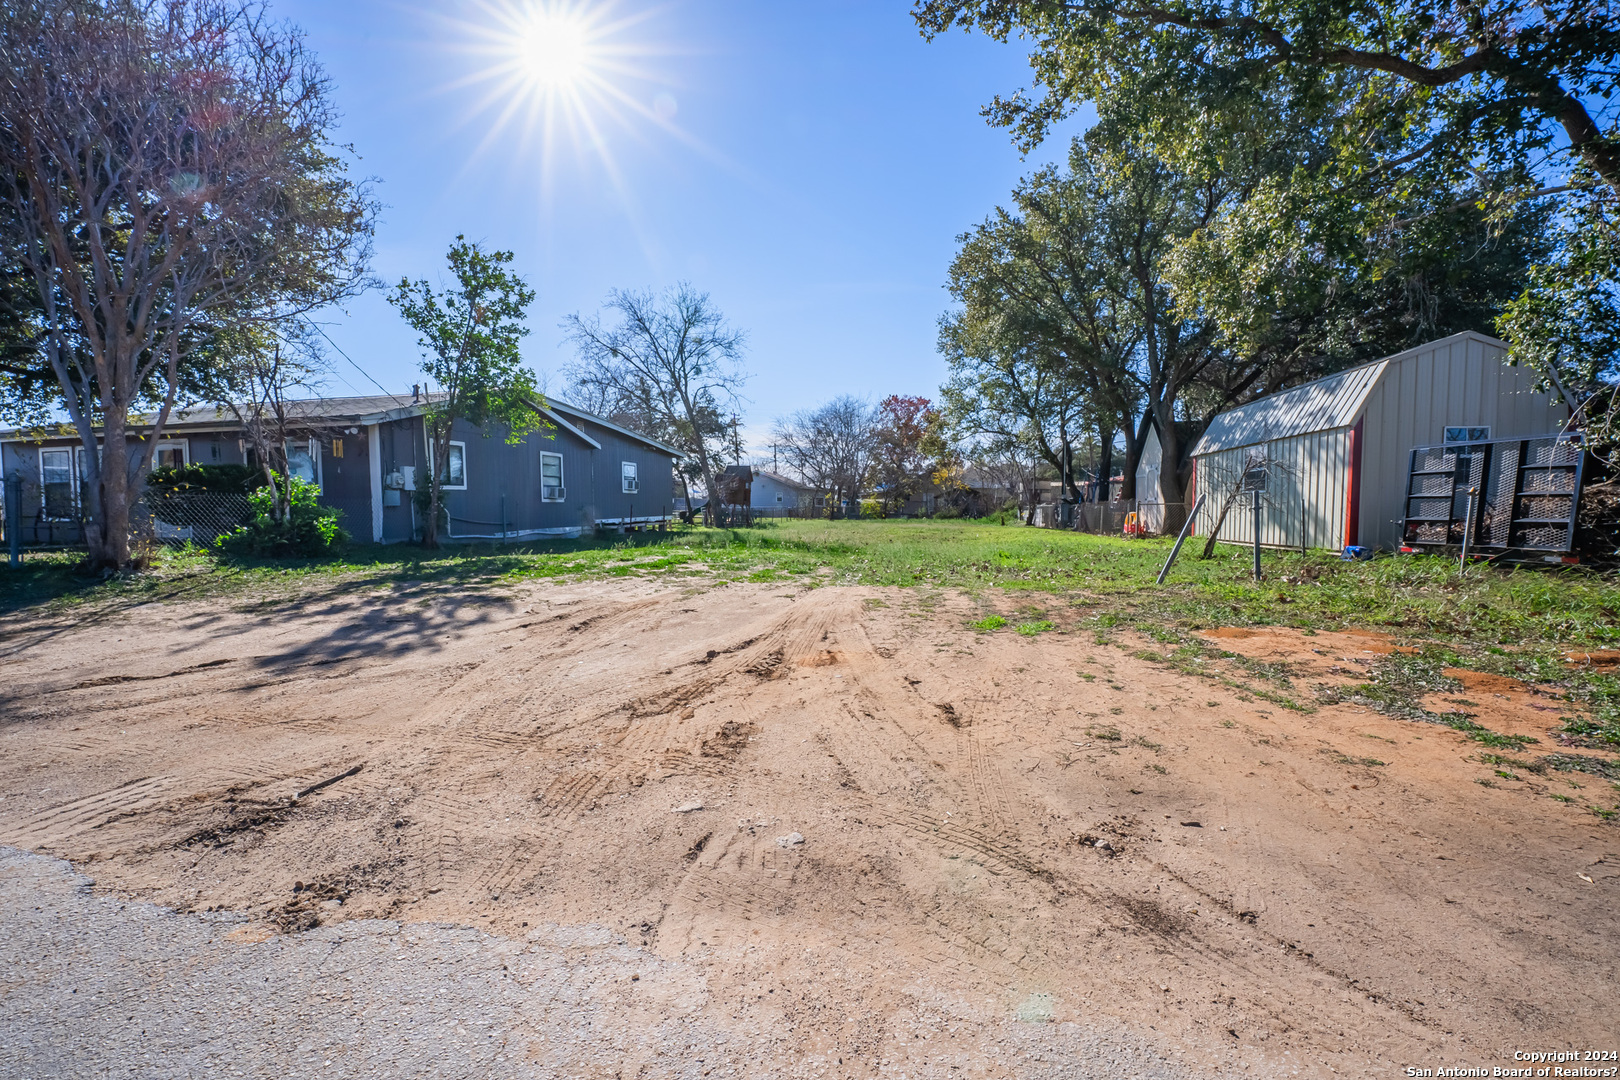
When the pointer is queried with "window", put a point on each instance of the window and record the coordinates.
(627, 477)
(455, 478)
(57, 481)
(455, 467)
(1467, 434)
(304, 461)
(171, 455)
(551, 478)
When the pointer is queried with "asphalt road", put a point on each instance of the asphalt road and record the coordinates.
(95, 986)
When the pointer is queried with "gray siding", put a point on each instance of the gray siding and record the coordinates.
(655, 480)
(1459, 380)
(346, 483)
(503, 496)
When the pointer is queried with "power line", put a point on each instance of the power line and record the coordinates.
(350, 359)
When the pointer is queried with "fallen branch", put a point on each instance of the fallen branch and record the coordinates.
(329, 781)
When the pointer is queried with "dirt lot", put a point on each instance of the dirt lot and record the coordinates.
(873, 830)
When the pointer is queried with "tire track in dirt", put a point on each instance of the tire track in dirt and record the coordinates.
(57, 824)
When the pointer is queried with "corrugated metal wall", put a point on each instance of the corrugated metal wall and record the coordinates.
(1305, 496)
(1460, 380)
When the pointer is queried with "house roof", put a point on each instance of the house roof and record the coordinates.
(778, 478)
(372, 409)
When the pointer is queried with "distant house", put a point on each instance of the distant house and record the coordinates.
(773, 491)
(368, 455)
(1340, 447)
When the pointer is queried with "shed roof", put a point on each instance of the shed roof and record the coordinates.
(1323, 405)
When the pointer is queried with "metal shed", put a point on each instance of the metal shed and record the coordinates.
(1341, 445)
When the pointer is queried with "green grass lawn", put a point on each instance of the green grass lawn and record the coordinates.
(1512, 620)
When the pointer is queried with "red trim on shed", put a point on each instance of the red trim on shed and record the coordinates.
(1352, 508)
(1191, 498)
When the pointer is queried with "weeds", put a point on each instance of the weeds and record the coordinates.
(1512, 620)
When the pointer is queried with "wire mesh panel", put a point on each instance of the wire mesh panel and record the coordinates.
(1525, 494)
(178, 518)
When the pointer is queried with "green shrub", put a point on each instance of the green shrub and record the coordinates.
(309, 529)
(235, 479)
(872, 509)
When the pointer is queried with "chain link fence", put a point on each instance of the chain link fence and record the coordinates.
(177, 517)
(1114, 518)
(172, 517)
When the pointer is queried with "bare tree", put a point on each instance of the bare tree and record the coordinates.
(831, 447)
(261, 367)
(671, 359)
(166, 168)
(1010, 469)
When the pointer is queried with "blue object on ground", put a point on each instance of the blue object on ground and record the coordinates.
(1355, 553)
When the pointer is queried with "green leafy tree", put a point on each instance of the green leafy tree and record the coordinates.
(469, 340)
(1566, 323)
(1465, 84)
(288, 522)
(1398, 169)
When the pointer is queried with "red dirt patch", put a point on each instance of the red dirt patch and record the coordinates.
(1600, 658)
(1485, 682)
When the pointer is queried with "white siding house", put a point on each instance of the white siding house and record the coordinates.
(1149, 500)
(1341, 446)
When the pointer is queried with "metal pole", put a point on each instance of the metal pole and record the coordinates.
(1186, 528)
(1257, 536)
(13, 493)
(1468, 524)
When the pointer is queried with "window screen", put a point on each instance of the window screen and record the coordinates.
(56, 477)
(456, 466)
(300, 462)
(1467, 434)
(551, 477)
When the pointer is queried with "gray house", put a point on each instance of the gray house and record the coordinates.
(368, 455)
(773, 491)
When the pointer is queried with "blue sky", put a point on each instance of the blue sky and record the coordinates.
(808, 165)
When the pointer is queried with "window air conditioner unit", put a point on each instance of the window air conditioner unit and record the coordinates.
(553, 491)
(630, 485)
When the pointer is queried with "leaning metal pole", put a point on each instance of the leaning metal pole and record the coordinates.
(1186, 529)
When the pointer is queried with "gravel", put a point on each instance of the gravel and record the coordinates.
(96, 986)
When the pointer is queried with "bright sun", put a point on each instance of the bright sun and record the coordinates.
(554, 78)
(556, 48)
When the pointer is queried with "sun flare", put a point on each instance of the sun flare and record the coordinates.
(556, 48)
(560, 84)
